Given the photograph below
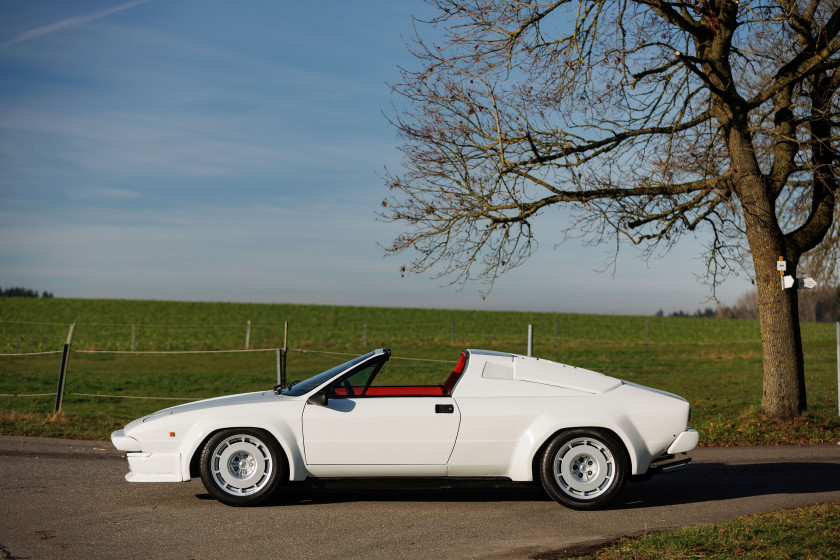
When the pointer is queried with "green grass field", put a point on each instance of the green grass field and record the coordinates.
(811, 533)
(714, 363)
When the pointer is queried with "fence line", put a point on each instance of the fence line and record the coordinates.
(33, 323)
(203, 325)
(105, 396)
(353, 355)
(467, 335)
(136, 397)
(169, 351)
(443, 333)
(661, 343)
(33, 353)
(319, 353)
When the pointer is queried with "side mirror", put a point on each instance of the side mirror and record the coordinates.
(319, 399)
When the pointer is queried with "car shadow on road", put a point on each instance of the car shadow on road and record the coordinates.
(704, 482)
(409, 491)
(707, 482)
(402, 490)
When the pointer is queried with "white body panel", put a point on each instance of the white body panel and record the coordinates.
(379, 431)
(504, 408)
(192, 424)
(154, 467)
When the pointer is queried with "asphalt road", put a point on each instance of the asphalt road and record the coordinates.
(68, 499)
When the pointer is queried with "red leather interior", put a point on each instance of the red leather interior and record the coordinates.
(393, 391)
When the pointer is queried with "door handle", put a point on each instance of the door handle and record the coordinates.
(444, 409)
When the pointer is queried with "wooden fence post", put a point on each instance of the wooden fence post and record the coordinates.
(530, 340)
(65, 357)
(279, 367)
(282, 364)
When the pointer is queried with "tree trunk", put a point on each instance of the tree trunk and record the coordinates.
(784, 370)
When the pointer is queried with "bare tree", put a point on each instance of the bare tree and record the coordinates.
(746, 307)
(822, 305)
(648, 120)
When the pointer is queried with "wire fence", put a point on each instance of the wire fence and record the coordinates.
(186, 362)
(25, 337)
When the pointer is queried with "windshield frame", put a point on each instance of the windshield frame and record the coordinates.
(303, 387)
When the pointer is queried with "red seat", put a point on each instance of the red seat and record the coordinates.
(396, 391)
(415, 391)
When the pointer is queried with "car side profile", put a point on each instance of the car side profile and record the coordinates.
(580, 433)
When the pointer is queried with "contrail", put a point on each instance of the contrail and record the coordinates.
(69, 22)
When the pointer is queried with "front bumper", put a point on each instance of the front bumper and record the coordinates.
(147, 467)
(123, 442)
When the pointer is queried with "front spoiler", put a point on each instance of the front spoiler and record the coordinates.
(147, 467)
(154, 467)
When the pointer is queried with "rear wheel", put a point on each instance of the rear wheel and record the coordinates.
(584, 468)
(241, 467)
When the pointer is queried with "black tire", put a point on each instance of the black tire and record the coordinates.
(584, 468)
(242, 466)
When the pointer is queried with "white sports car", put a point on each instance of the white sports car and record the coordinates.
(583, 434)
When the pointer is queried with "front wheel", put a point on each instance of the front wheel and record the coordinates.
(584, 468)
(241, 467)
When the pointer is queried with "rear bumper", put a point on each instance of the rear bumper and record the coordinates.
(667, 462)
(686, 441)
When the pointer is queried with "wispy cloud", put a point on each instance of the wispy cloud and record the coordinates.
(70, 22)
(118, 194)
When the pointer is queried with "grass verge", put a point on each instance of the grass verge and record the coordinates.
(17, 423)
(811, 532)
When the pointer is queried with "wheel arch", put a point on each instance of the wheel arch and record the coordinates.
(195, 456)
(536, 458)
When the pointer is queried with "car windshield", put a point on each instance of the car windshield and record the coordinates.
(303, 387)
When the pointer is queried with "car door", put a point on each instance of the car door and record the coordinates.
(380, 430)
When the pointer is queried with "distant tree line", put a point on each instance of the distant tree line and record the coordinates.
(708, 312)
(23, 292)
(815, 306)
(820, 305)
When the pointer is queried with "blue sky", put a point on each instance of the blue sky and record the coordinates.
(228, 151)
